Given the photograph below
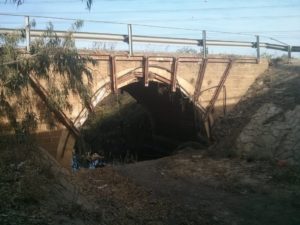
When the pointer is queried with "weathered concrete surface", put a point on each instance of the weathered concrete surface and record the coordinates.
(113, 72)
(272, 133)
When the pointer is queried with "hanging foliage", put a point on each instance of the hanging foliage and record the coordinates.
(20, 2)
(51, 59)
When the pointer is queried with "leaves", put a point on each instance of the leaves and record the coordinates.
(20, 2)
(51, 59)
(89, 4)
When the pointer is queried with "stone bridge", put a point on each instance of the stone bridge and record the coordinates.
(214, 85)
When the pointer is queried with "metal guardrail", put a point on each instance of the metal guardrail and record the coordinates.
(295, 48)
(131, 39)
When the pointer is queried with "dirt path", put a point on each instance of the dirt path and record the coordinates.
(223, 191)
(184, 189)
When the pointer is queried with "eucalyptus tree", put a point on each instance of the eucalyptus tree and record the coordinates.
(48, 55)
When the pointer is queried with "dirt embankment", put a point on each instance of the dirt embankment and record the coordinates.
(266, 123)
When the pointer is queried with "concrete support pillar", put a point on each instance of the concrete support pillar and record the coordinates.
(65, 148)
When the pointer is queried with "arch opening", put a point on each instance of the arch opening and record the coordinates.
(141, 123)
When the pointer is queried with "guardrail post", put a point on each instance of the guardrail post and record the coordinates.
(27, 31)
(204, 43)
(257, 48)
(130, 39)
(289, 51)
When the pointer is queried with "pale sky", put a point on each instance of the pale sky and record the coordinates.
(268, 18)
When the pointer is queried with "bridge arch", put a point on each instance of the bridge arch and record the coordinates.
(123, 78)
(133, 75)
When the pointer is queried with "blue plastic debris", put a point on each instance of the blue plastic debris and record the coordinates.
(96, 161)
(75, 163)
